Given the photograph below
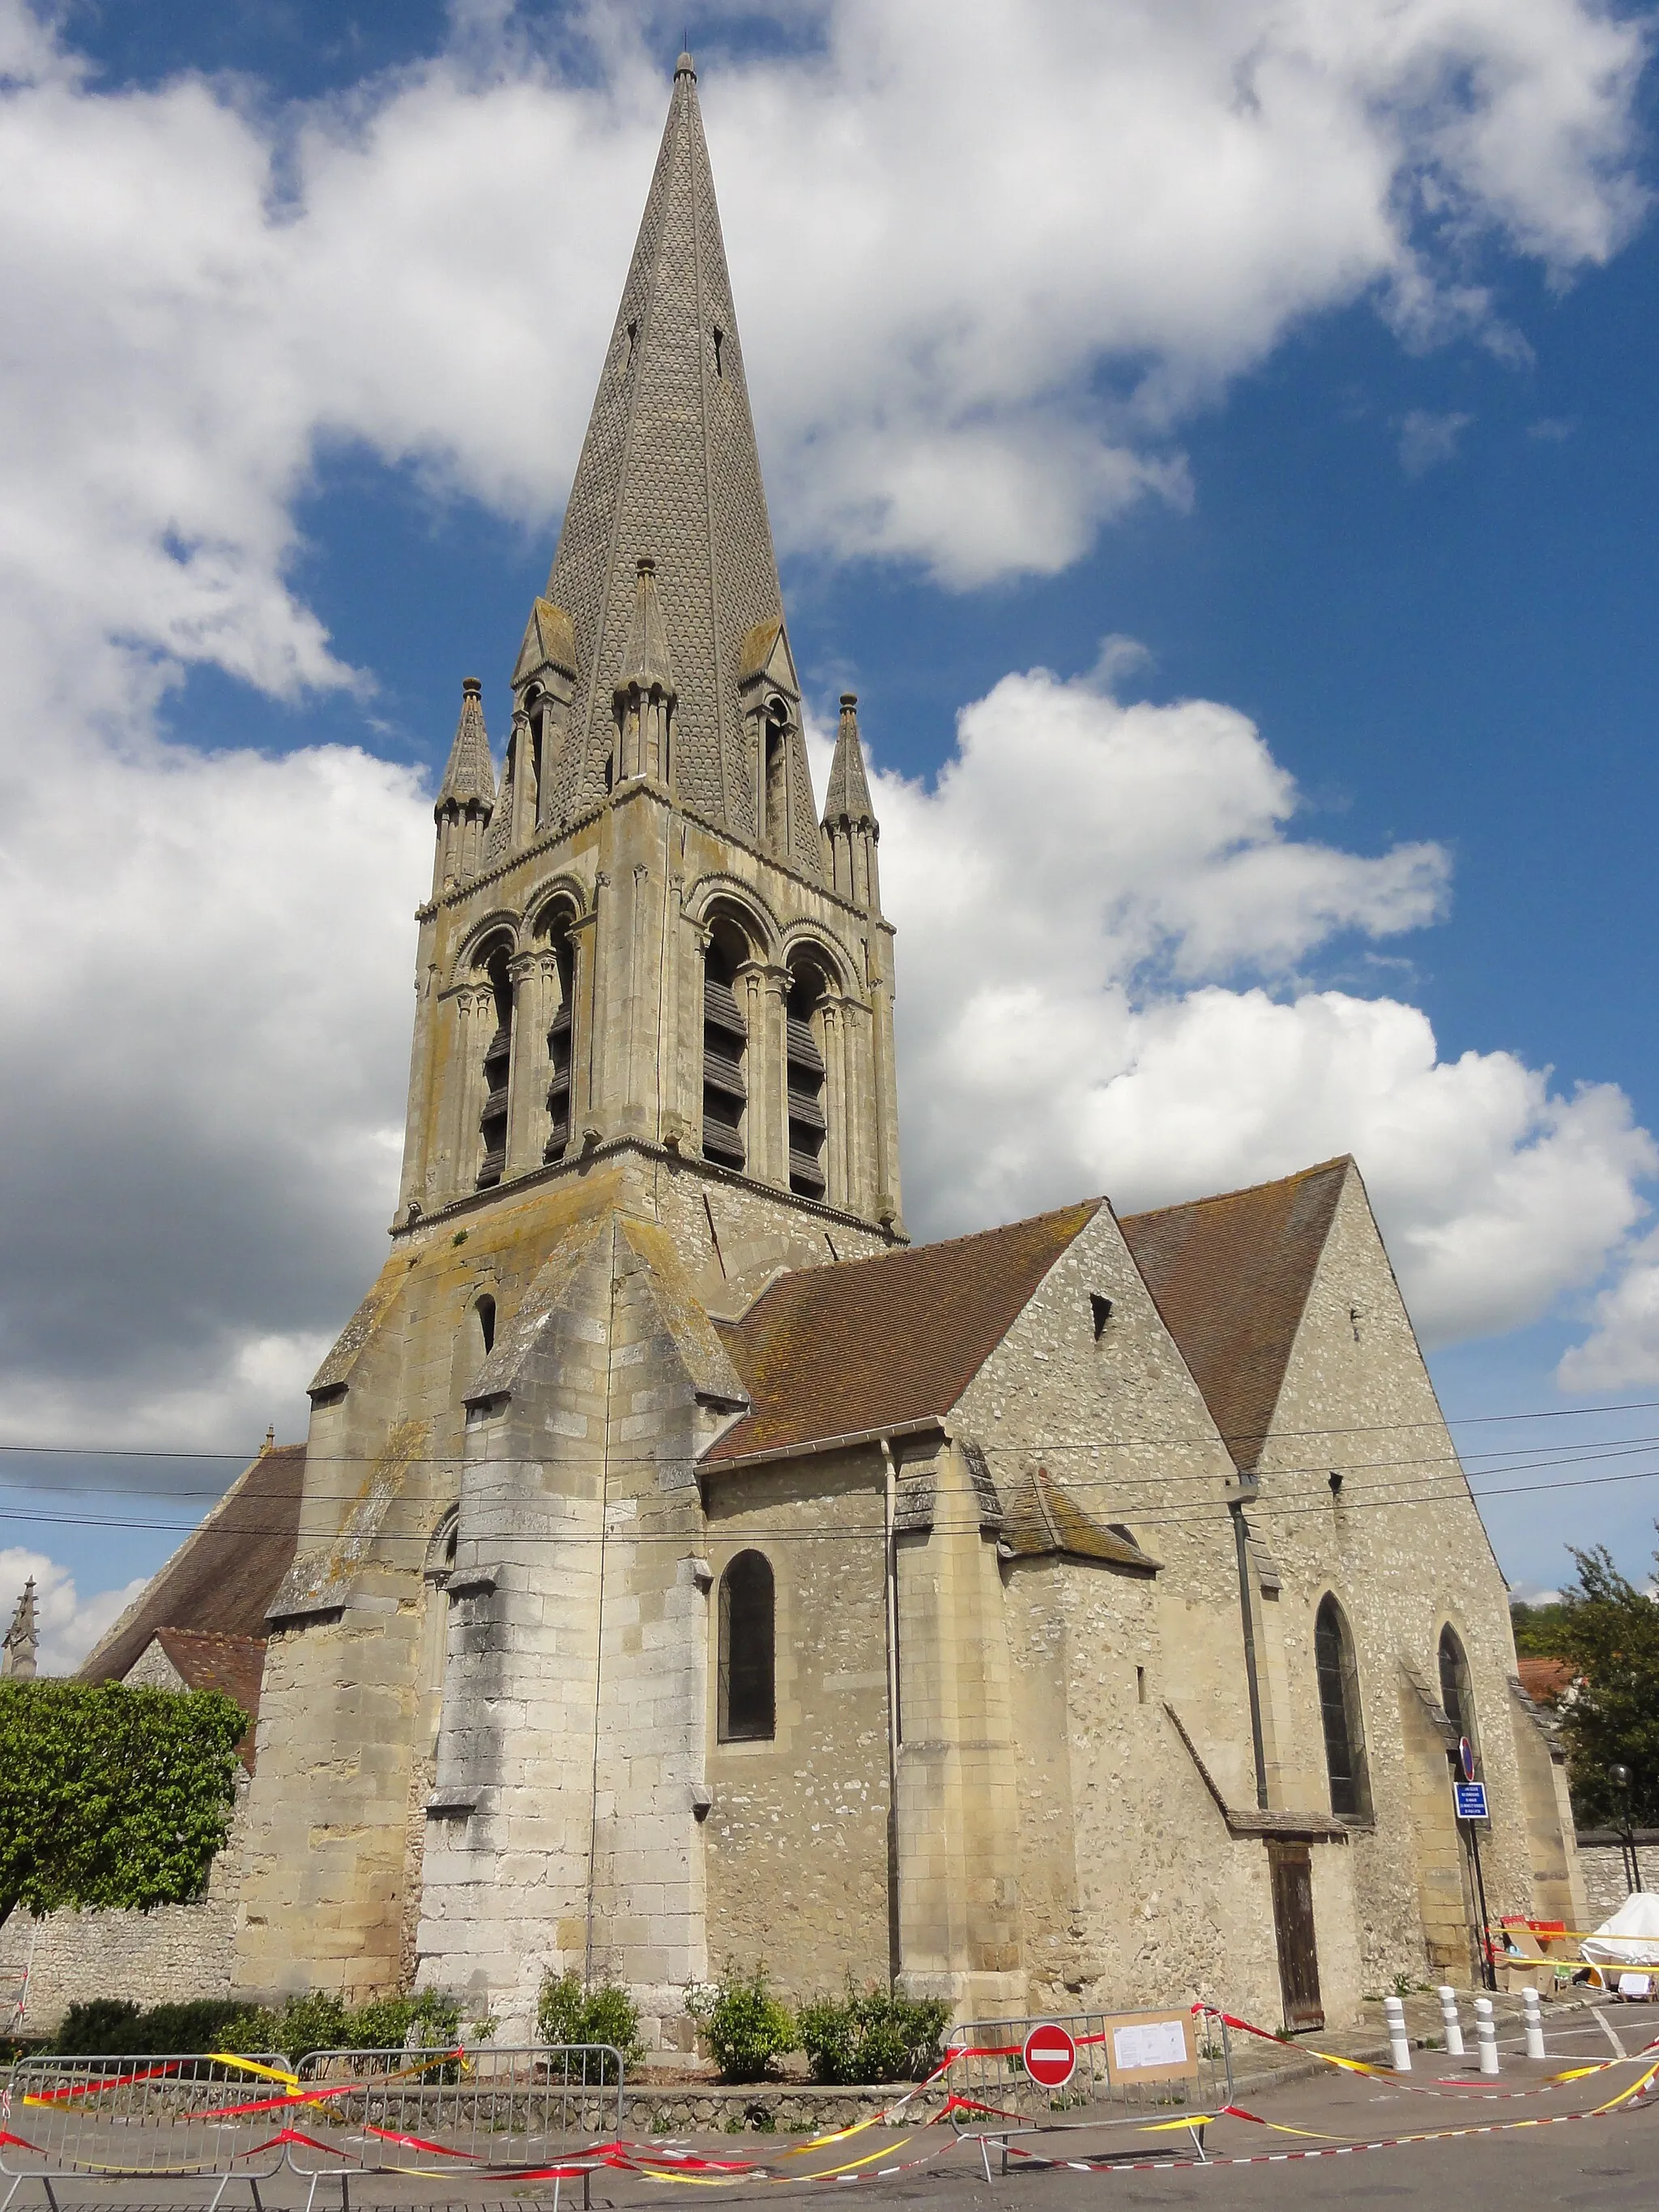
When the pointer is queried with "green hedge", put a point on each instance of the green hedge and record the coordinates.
(317, 2021)
(872, 2035)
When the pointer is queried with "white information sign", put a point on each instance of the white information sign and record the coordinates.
(1146, 2044)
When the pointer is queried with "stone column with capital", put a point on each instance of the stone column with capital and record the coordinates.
(835, 1097)
(465, 1102)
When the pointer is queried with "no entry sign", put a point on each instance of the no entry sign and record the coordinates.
(1050, 2056)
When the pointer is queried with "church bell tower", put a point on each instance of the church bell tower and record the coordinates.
(646, 937)
(652, 1069)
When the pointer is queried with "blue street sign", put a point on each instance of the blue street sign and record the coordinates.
(1471, 1800)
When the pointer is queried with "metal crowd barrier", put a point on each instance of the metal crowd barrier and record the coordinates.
(523, 2112)
(137, 2118)
(1151, 2070)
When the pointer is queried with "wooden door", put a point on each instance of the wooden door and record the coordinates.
(1293, 1926)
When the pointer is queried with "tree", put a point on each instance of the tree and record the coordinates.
(1610, 1631)
(111, 1794)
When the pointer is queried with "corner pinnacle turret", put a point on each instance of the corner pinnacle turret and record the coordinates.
(851, 832)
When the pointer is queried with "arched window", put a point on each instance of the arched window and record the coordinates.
(804, 1072)
(774, 778)
(725, 1040)
(1338, 1710)
(747, 1650)
(1455, 1694)
(498, 1057)
(560, 1036)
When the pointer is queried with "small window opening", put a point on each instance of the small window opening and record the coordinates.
(633, 340)
(719, 352)
(485, 1310)
(1102, 1310)
(1120, 1528)
(1140, 1686)
(1339, 1710)
(1336, 1484)
(747, 1650)
(1353, 1322)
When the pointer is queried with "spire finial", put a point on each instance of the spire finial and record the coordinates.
(22, 1638)
(470, 777)
(685, 67)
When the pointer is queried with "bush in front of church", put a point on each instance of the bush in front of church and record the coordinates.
(571, 2011)
(745, 2026)
(872, 2035)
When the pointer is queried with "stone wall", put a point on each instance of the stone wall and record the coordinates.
(1606, 1884)
(164, 1957)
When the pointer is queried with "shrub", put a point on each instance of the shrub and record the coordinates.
(570, 2010)
(872, 2035)
(316, 2021)
(744, 2025)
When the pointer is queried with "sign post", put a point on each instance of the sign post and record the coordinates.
(1050, 2056)
(1469, 1802)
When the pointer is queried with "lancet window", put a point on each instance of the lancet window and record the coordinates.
(748, 1651)
(560, 1040)
(804, 1074)
(1339, 1710)
(1455, 1694)
(497, 1062)
(725, 1049)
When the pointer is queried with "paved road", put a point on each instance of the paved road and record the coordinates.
(1489, 2153)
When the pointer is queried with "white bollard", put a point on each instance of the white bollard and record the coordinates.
(1486, 2030)
(1400, 2050)
(1454, 2026)
(1533, 2008)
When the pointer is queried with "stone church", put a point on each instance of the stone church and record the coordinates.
(682, 1566)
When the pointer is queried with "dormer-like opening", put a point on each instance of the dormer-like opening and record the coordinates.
(497, 1063)
(805, 1073)
(774, 777)
(720, 351)
(1100, 1310)
(725, 1048)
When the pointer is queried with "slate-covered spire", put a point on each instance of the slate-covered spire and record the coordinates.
(467, 797)
(669, 470)
(851, 832)
(22, 1638)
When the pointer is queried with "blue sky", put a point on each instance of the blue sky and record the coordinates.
(1397, 518)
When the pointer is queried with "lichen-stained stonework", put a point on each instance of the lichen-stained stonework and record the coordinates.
(1048, 1515)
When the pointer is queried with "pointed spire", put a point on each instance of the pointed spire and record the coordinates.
(471, 775)
(646, 660)
(847, 799)
(23, 1640)
(669, 468)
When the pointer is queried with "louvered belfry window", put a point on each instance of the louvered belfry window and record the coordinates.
(498, 1060)
(805, 1069)
(725, 1044)
(559, 1039)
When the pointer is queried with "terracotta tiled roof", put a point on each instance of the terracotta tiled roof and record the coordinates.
(233, 1664)
(871, 1344)
(223, 1576)
(1546, 1681)
(1231, 1276)
(1040, 1517)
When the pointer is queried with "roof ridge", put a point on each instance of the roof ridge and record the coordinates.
(1244, 1190)
(916, 1251)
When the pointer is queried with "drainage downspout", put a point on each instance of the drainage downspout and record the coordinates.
(1241, 1546)
(890, 1570)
